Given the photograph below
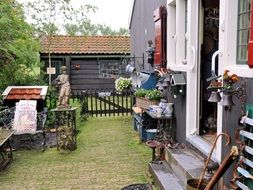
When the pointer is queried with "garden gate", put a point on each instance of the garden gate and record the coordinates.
(105, 102)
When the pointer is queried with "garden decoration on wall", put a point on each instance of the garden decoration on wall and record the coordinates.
(226, 86)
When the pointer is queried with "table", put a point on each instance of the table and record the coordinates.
(163, 123)
(5, 147)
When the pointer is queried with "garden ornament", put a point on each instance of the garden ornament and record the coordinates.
(225, 164)
(210, 154)
(63, 81)
(215, 97)
(227, 100)
(130, 69)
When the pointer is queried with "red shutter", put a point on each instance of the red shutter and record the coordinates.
(160, 19)
(250, 45)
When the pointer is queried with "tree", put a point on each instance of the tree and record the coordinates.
(44, 14)
(87, 28)
(19, 50)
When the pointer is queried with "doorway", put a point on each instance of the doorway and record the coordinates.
(209, 45)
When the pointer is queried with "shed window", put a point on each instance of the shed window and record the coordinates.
(110, 69)
(243, 31)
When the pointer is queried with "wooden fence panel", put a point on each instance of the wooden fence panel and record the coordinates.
(105, 102)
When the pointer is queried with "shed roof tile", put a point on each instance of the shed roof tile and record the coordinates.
(61, 44)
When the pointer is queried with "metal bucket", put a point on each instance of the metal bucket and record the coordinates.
(192, 184)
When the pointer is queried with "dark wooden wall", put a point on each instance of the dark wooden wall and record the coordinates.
(142, 27)
(87, 76)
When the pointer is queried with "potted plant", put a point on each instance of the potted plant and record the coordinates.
(122, 83)
(154, 95)
(145, 98)
(140, 92)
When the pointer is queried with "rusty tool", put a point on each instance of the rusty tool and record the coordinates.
(210, 154)
(226, 163)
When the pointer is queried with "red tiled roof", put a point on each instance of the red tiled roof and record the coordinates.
(24, 94)
(61, 44)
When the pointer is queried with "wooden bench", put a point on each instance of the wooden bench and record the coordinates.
(5, 147)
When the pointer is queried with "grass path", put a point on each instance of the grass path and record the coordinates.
(108, 157)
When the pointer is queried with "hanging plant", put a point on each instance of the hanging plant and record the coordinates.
(122, 83)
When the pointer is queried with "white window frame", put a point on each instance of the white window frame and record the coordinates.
(176, 36)
(228, 40)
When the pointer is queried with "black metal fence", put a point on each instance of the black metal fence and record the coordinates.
(105, 102)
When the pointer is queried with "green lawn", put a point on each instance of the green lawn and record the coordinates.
(108, 156)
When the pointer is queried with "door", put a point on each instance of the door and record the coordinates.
(208, 50)
(203, 35)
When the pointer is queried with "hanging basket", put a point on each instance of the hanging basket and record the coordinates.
(144, 103)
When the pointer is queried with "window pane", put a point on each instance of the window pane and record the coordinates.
(243, 30)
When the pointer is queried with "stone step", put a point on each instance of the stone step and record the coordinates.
(185, 163)
(164, 178)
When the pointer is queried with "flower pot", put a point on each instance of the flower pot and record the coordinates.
(144, 103)
(169, 109)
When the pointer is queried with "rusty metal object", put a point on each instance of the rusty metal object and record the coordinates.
(210, 154)
(226, 163)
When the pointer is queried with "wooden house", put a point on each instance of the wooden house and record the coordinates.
(204, 39)
(92, 61)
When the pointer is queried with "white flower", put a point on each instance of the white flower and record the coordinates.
(122, 83)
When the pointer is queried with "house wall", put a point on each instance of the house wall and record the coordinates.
(179, 115)
(142, 28)
(231, 118)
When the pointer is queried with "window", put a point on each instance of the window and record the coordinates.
(234, 37)
(111, 69)
(108, 69)
(177, 29)
(243, 31)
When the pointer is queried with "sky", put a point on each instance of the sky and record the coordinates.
(113, 13)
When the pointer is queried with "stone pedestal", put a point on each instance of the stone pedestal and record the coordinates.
(65, 125)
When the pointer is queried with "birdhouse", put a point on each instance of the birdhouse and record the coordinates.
(177, 83)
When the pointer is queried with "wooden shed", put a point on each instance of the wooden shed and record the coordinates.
(92, 61)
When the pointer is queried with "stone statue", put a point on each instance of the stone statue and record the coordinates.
(63, 81)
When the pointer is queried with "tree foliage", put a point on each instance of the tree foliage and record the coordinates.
(46, 14)
(87, 28)
(53, 17)
(19, 50)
